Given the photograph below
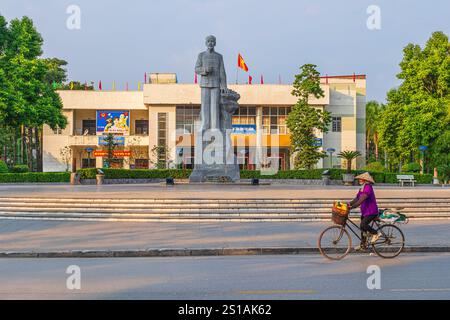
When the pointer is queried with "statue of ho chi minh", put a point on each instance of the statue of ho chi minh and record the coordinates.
(214, 158)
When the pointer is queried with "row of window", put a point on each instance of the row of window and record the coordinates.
(273, 121)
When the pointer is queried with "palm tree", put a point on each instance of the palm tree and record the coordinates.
(373, 111)
(349, 156)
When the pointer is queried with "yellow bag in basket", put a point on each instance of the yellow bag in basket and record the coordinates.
(340, 208)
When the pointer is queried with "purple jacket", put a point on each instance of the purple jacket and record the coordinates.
(369, 206)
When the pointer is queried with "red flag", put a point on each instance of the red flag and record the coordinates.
(100, 85)
(262, 79)
(250, 79)
(195, 78)
(145, 77)
(241, 63)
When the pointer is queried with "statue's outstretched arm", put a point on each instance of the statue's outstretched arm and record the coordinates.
(199, 68)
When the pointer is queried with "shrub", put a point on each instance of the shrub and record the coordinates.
(411, 167)
(3, 167)
(20, 168)
(375, 166)
(34, 177)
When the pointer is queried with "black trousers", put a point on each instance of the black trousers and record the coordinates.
(365, 224)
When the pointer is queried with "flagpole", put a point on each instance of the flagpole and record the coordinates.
(237, 73)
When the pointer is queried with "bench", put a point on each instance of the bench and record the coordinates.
(402, 178)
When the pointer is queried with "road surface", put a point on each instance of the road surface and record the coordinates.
(412, 276)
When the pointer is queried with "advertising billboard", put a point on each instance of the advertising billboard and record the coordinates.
(114, 121)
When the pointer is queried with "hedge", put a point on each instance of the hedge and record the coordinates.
(335, 174)
(136, 173)
(20, 168)
(314, 174)
(35, 177)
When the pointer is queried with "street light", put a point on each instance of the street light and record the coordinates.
(330, 151)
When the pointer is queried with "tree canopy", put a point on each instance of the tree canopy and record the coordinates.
(417, 112)
(304, 121)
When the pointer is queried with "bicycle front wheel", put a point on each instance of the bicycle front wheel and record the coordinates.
(334, 242)
(391, 242)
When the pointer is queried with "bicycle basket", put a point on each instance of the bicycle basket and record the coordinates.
(338, 218)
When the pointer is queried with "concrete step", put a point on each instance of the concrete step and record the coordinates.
(205, 207)
(199, 210)
(211, 201)
(184, 218)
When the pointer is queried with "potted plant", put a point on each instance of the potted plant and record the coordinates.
(349, 156)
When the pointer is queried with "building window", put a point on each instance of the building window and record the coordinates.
(141, 127)
(141, 164)
(88, 163)
(89, 127)
(162, 137)
(245, 115)
(186, 116)
(274, 120)
(336, 124)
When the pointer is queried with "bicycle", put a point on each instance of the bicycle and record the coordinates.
(335, 241)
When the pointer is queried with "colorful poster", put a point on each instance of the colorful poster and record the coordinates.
(244, 129)
(114, 121)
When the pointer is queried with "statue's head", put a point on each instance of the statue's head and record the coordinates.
(210, 42)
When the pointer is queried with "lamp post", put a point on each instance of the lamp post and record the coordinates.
(330, 151)
(422, 150)
(89, 150)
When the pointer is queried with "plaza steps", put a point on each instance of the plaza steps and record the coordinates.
(200, 209)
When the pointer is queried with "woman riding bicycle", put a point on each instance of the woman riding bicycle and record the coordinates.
(369, 208)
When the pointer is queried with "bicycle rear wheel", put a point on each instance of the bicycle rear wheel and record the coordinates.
(334, 243)
(391, 242)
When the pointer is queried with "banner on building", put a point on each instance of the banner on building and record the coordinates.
(113, 121)
(116, 153)
(244, 129)
(118, 140)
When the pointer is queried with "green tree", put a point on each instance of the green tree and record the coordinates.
(111, 145)
(305, 121)
(373, 111)
(417, 111)
(30, 99)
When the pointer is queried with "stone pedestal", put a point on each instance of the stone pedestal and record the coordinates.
(223, 166)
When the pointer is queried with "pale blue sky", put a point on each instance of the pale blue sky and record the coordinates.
(120, 40)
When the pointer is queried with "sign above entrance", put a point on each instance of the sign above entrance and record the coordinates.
(113, 121)
(244, 129)
(118, 140)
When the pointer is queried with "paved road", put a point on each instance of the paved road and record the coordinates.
(420, 276)
(22, 235)
(119, 191)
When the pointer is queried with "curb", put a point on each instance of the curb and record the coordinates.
(192, 252)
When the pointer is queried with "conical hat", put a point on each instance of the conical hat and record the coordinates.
(365, 176)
